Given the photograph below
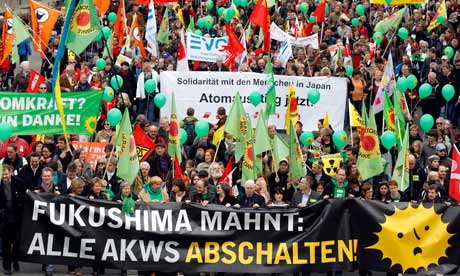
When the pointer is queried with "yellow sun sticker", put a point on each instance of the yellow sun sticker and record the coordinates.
(90, 124)
(413, 238)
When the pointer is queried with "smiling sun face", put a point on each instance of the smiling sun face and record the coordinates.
(413, 238)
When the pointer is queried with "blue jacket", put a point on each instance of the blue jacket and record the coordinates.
(24, 48)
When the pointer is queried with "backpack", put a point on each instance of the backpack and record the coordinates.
(189, 127)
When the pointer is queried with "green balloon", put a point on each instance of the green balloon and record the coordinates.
(426, 122)
(209, 5)
(183, 136)
(326, 9)
(411, 82)
(201, 128)
(307, 138)
(108, 93)
(388, 1)
(403, 33)
(388, 139)
(425, 91)
(159, 100)
(114, 116)
(220, 11)
(339, 138)
(106, 32)
(255, 98)
(100, 64)
(230, 13)
(6, 130)
(116, 82)
(243, 3)
(208, 22)
(224, 14)
(198, 32)
(378, 37)
(313, 95)
(236, 2)
(402, 84)
(200, 23)
(360, 10)
(304, 8)
(449, 52)
(355, 22)
(349, 70)
(150, 86)
(448, 92)
(440, 19)
(312, 19)
(112, 17)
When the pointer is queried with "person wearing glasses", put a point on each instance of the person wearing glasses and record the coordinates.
(105, 134)
(441, 151)
(43, 88)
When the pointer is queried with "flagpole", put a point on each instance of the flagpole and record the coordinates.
(218, 144)
(350, 115)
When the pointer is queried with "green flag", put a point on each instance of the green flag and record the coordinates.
(262, 139)
(174, 134)
(237, 123)
(108, 53)
(388, 112)
(296, 162)
(400, 120)
(128, 206)
(260, 38)
(248, 170)
(364, 112)
(128, 163)
(191, 25)
(20, 34)
(401, 170)
(280, 150)
(84, 27)
(369, 160)
(391, 21)
(163, 33)
(270, 103)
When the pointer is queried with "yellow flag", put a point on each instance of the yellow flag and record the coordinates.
(326, 120)
(440, 12)
(218, 135)
(292, 113)
(355, 118)
(58, 97)
(180, 15)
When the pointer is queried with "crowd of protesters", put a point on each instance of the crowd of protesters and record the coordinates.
(48, 165)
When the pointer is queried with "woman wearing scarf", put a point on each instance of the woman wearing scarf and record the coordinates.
(153, 192)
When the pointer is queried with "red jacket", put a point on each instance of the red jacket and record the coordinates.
(23, 147)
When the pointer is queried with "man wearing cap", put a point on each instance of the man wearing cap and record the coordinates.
(159, 162)
(429, 148)
(441, 151)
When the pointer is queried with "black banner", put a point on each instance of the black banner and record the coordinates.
(327, 236)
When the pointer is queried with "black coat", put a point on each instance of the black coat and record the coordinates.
(31, 180)
(246, 201)
(18, 195)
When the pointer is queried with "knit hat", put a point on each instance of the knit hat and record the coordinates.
(433, 158)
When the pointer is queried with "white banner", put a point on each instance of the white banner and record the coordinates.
(205, 92)
(277, 34)
(204, 48)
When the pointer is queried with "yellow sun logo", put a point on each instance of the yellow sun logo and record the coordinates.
(90, 124)
(413, 238)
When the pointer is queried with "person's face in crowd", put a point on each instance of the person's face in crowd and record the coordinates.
(188, 168)
(283, 167)
(316, 168)
(219, 61)
(61, 145)
(195, 179)
(10, 153)
(326, 139)
(412, 162)
(71, 175)
(83, 78)
(82, 155)
(156, 185)
(278, 197)
(175, 189)
(46, 153)
(413, 132)
(200, 152)
(442, 153)
(42, 88)
(111, 167)
(170, 67)
(340, 177)
(445, 71)
(47, 177)
(201, 187)
(350, 156)
(207, 157)
(164, 123)
(369, 194)
(126, 191)
(432, 194)
(153, 132)
(38, 147)
(160, 151)
(383, 190)
(394, 189)
(219, 189)
(435, 164)
(378, 76)
(78, 190)
(79, 168)
(271, 132)
(442, 172)
(145, 171)
(304, 185)
(261, 64)
(97, 188)
(432, 139)
(353, 169)
(249, 189)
